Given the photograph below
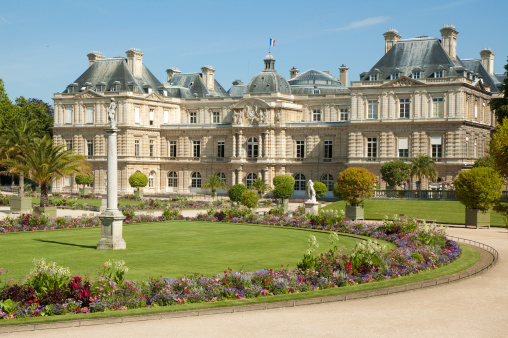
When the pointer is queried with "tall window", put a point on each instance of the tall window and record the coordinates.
(300, 149)
(327, 180)
(374, 77)
(89, 147)
(220, 149)
(416, 75)
(151, 179)
(221, 176)
(172, 179)
(437, 147)
(68, 144)
(404, 108)
(437, 107)
(476, 109)
(328, 149)
(136, 148)
(474, 148)
(403, 147)
(371, 147)
(193, 117)
(196, 180)
(196, 148)
(394, 76)
(439, 73)
(136, 115)
(68, 115)
(252, 147)
(467, 146)
(166, 117)
(215, 117)
(152, 148)
(344, 114)
(172, 148)
(299, 182)
(89, 115)
(152, 116)
(68, 181)
(372, 109)
(316, 115)
(250, 179)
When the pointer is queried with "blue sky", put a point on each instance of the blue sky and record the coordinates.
(45, 43)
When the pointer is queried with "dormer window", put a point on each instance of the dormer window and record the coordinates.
(439, 73)
(115, 87)
(147, 89)
(416, 75)
(100, 87)
(394, 76)
(316, 91)
(72, 88)
(373, 77)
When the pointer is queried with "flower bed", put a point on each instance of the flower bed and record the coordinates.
(51, 290)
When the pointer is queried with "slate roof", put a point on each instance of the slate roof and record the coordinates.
(237, 90)
(476, 66)
(311, 80)
(268, 81)
(191, 85)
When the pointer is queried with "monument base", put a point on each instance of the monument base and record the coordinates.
(104, 203)
(311, 207)
(111, 231)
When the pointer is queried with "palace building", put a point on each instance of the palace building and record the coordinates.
(420, 97)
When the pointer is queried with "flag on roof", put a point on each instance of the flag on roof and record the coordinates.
(272, 42)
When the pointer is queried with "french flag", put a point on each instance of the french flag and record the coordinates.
(272, 42)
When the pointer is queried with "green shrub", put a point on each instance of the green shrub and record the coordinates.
(484, 161)
(478, 188)
(249, 199)
(171, 213)
(128, 213)
(356, 185)
(276, 211)
(84, 179)
(138, 180)
(319, 188)
(235, 192)
(45, 276)
(281, 179)
(283, 190)
(395, 172)
(367, 253)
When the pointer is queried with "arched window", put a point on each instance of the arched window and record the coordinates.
(151, 179)
(222, 176)
(250, 179)
(327, 179)
(172, 179)
(196, 180)
(252, 147)
(299, 182)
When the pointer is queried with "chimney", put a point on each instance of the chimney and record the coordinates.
(293, 72)
(135, 61)
(449, 40)
(343, 74)
(391, 38)
(172, 71)
(208, 77)
(94, 56)
(488, 60)
(238, 83)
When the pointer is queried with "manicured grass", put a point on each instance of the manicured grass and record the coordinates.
(169, 249)
(450, 212)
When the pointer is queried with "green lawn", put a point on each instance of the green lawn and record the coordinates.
(451, 212)
(170, 249)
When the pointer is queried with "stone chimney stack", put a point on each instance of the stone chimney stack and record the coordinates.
(449, 40)
(391, 38)
(293, 72)
(135, 61)
(488, 60)
(208, 76)
(94, 56)
(172, 71)
(343, 74)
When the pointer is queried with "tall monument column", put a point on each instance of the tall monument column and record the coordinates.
(112, 218)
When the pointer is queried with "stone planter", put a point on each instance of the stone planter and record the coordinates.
(354, 212)
(84, 191)
(21, 204)
(213, 194)
(47, 211)
(284, 204)
(478, 218)
(138, 193)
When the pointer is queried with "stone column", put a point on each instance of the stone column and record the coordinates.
(112, 218)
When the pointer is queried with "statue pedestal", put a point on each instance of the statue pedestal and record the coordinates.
(104, 203)
(111, 231)
(311, 207)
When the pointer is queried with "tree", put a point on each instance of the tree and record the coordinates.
(283, 191)
(84, 179)
(319, 188)
(498, 149)
(260, 186)
(43, 163)
(500, 105)
(484, 161)
(478, 188)
(138, 180)
(249, 199)
(279, 179)
(214, 182)
(421, 166)
(235, 192)
(395, 172)
(356, 185)
(38, 111)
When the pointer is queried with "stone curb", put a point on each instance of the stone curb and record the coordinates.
(488, 260)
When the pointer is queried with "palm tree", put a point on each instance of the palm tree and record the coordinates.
(260, 186)
(214, 182)
(13, 139)
(43, 163)
(421, 166)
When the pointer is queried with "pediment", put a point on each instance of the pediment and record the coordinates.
(154, 96)
(88, 94)
(479, 85)
(403, 81)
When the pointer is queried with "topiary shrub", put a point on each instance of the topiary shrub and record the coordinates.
(235, 192)
(249, 199)
(283, 190)
(138, 180)
(478, 188)
(281, 179)
(319, 188)
(356, 185)
(395, 172)
(84, 179)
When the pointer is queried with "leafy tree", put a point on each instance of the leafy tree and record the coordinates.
(283, 190)
(84, 179)
(249, 199)
(235, 192)
(214, 182)
(484, 161)
(395, 172)
(319, 188)
(356, 185)
(260, 186)
(500, 104)
(43, 163)
(478, 188)
(421, 166)
(498, 149)
(38, 111)
(280, 179)
(138, 180)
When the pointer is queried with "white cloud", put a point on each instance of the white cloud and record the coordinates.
(363, 23)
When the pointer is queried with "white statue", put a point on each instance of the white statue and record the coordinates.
(262, 116)
(278, 116)
(311, 191)
(111, 114)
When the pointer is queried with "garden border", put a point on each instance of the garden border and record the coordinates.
(489, 258)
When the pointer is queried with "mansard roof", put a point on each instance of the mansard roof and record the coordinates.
(475, 66)
(311, 80)
(191, 85)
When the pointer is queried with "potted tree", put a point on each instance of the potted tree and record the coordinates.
(138, 180)
(478, 189)
(214, 182)
(394, 173)
(235, 192)
(355, 185)
(283, 189)
(84, 180)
